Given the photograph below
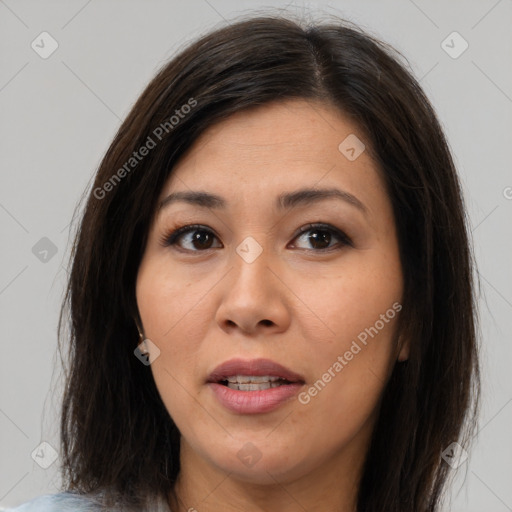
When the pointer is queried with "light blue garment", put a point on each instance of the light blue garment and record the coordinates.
(72, 502)
(62, 502)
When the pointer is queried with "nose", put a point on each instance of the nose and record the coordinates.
(254, 297)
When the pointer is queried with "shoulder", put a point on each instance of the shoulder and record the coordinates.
(61, 502)
(72, 502)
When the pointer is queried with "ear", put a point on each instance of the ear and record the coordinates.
(404, 347)
(139, 327)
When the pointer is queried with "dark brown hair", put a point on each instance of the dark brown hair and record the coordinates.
(116, 432)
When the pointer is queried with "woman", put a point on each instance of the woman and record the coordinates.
(271, 295)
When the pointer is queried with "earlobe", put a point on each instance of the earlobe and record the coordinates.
(403, 350)
(138, 322)
(142, 346)
(403, 354)
(139, 329)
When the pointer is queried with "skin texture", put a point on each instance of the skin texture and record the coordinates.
(295, 304)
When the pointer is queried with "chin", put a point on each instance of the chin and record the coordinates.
(267, 465)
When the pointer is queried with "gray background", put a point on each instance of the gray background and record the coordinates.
(59, 115)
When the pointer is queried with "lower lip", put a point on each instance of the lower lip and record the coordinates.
(254, 402)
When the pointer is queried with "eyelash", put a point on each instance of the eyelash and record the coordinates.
(173, 237)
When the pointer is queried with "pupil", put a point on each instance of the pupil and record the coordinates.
(315, 238)
(201, 239)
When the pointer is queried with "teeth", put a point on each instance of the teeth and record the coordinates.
(253, 386)
(251, 379)
(254, 382)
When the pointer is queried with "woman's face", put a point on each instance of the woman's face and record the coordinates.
(289, 278)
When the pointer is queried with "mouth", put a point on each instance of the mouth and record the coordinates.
(254, 386)
(253, 382)
(253, 375)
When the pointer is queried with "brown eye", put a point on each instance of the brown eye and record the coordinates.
(320, 239)
(320, 236)
(201, 239)
(192, 238)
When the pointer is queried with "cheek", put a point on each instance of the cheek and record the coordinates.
(174, 320)
(344, 301)
(349, 376)
(170, 305)
(353, 342)
(176, 316)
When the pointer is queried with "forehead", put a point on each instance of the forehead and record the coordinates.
(276, 146)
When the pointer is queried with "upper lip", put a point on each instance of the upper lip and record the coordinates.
(256, 367)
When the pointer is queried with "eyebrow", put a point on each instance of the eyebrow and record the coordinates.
(302, 197)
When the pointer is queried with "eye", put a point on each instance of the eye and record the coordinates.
(196, 238)
(321, 235)
(193, 237)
